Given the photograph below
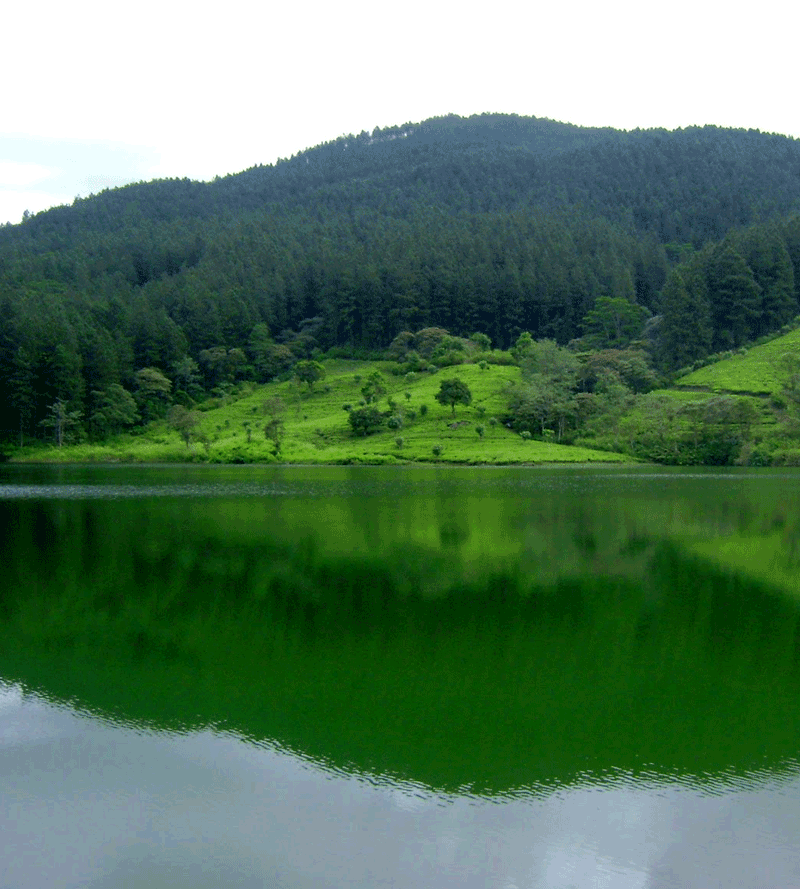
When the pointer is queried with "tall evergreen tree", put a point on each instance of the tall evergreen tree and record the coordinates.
(765, 252)
(735, 298)
(685, 319)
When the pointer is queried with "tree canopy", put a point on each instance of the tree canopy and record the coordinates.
(452, 392)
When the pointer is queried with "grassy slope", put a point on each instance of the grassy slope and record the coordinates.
(756, 370)
(317, 430)
(752, 374)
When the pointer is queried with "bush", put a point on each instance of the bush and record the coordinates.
(789, 457)
(778, 402)
(451, 358)
(365, 420)
(498, 357)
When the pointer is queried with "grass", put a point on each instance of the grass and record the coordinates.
(317, 428)
(755, 370)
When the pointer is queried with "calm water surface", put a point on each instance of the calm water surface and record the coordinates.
(399, 677)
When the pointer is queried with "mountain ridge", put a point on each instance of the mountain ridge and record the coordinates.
(493, 224)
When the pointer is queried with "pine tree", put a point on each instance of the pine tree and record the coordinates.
(685, 319)
(735, 298)
(766, 254)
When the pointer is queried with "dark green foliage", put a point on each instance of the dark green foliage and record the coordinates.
(221, 366)
(452, 392)
(273, 431)
(365, 420)
(686, 328)
(309, 372)
(629, 366)
(186, 376)
(152, 392)
(711, 432)
(61, 420)
(483, 342)
(735, 298)
(115, 410)
(548, 401)
(183, 421)
(767, 256)
(374, 387)
(613, 323)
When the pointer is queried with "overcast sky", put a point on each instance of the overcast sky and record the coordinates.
(97, 95)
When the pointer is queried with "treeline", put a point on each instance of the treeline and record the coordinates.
(732, 292)
(493, 224)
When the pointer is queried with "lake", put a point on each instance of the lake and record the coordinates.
(399, 677)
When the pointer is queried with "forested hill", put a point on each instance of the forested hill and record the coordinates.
(495, 224)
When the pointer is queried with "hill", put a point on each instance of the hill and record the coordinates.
(494, 224)
(759, 370)
(316, 429)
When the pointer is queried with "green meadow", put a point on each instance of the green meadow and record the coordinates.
(760, 369)
(665, 425)
(316, 427)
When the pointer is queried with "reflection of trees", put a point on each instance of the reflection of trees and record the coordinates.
(389, 659)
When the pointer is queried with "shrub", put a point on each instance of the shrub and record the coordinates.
(498, 357)
(365, 420)
(789, 457)
(778, 402)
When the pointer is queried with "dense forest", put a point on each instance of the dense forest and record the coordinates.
(681, 243)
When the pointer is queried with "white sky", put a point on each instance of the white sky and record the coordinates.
(98, 94)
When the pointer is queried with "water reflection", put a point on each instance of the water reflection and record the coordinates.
(543, 679)
(97, 805)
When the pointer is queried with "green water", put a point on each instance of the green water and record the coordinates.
(403, 677)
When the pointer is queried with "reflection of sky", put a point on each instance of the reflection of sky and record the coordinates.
(85, 803)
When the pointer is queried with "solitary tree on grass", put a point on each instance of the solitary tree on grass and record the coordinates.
(309, 372)
(452, 392)
(183, 421)
(274, 429)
